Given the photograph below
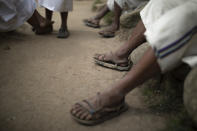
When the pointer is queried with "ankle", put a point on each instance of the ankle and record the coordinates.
(43, 23)
(112, 97)
(115, 26)
(121, 55)
(64, 27)
(97, 19)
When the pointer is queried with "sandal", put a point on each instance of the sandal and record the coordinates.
(99, 115)
(107, 34)
(43, 30)
(89, 23)
(63, 33)
(112, 64)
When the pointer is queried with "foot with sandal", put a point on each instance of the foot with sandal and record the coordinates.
(110, 31)
(111, 103)
(113, 61)
(61, 6)
(112, 5)
(94, 22)
(120, 59)
(99, 108)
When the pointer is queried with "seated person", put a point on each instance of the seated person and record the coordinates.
(13, 15)
(117, 6)
(62, 6)
(170, 28)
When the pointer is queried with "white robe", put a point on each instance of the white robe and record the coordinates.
(13, 13)
(57, 5)
(171, 30)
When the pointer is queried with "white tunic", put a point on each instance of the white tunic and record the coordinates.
(57, 5)
(13, 13)
(171, 30)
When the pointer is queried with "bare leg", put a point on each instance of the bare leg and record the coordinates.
(39, 23)
(63, 31)
(116, 22)
(117, 12)
(137, 38)
(48, 14)
(122, 54)
(64, 16)
(96, 19)
(144, 70)
(102, 13)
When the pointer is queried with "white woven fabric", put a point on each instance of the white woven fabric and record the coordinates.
(171, 30)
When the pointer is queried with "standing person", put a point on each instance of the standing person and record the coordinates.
(62, 6)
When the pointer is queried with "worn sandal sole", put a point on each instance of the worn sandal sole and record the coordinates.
(109, 35)
(63, 36)
(90, 24)
(105, 118)
(114, 66)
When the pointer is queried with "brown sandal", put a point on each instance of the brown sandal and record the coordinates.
(112, 64)
(107, 34)
(89, 23)
(43, 30)
(99, 115)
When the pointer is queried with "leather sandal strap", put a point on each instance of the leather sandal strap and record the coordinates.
(119, 63)
(91, 109)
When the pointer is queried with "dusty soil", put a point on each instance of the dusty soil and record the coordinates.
(42, 76)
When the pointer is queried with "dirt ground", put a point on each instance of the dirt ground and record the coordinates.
(42, 76)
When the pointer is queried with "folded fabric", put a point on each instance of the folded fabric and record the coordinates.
(171, 27)
(13, 13)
